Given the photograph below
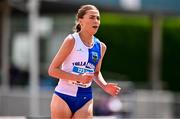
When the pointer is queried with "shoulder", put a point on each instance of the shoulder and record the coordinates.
(69, 40)
(103, 45)
(103, 48)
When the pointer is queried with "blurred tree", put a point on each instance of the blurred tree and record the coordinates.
(128, 42)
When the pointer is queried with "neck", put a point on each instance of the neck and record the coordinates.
(86, 38)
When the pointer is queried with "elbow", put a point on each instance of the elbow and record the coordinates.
(50, 73)
(96, 73)
(54, 72)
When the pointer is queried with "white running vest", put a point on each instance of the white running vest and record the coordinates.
(82, 59)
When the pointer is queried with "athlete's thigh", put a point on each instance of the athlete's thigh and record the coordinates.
(85, 112)
(59, 108)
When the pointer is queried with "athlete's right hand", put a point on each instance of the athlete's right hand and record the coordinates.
(86, 78)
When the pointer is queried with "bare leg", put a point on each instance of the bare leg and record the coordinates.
(86, 112)
(59, 108)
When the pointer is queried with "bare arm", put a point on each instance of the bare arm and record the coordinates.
(98, 76)
(54, 68)
(110, 88)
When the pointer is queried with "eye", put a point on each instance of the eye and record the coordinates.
(95, 17)
(98, 18)
(92, 17)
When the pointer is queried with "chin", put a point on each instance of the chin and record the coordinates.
(94, 32)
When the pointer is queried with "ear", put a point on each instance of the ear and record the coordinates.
(80, 20)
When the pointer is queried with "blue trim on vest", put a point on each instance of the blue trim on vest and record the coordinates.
(95, 52)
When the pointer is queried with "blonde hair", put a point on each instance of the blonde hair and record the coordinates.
(81, 12)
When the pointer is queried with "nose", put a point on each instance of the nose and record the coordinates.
(97, 21)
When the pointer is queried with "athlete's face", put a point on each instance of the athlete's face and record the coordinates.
(90, 21)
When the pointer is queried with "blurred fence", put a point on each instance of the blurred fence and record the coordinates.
(130, 103)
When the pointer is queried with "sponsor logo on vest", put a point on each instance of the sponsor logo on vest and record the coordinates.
(94, 56)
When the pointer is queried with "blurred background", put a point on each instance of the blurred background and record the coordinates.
(142, 38)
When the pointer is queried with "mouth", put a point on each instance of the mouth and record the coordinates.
(95, 27)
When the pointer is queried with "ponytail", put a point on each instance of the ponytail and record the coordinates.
(77, 27)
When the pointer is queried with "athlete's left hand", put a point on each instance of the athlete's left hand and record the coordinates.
(112, 89)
